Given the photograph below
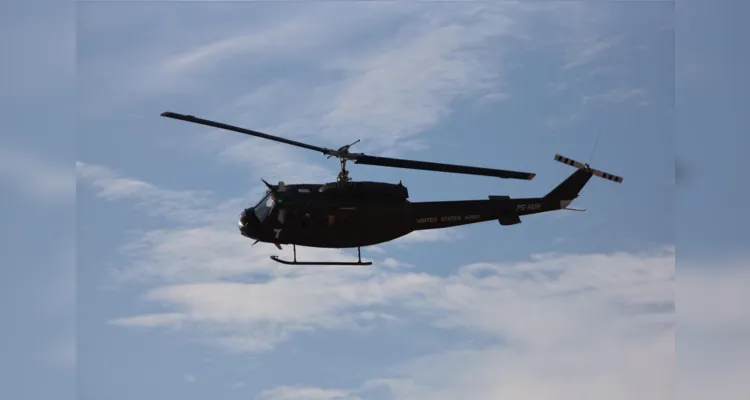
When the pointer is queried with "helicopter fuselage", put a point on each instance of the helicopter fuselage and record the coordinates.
(347, 214)
(358, 214)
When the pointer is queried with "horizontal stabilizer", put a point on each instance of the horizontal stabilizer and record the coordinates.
(585, 167)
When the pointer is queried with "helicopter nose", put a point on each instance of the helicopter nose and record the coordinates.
(246, 222)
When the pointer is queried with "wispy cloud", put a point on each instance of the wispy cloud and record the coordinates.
(255, 317)
(625, 355)
(618, 96)
(181, 206)
(586, 49)
(36, 177)
(409, 83)
(306, 393)
(593, 292)
(285, 37)
(599, 323)
(561, 86)
(587, 38)
(383, 93)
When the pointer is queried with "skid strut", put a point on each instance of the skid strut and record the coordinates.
(295, 262)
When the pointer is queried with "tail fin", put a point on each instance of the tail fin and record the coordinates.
(568, 189)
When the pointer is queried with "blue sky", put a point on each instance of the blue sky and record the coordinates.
(172, 301)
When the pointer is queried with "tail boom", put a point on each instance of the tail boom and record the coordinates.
(507, 211)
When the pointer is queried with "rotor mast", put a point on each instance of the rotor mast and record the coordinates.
(343, 176)
(342, 153)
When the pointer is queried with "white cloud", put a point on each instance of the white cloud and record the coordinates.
(374, 249)
(713, 331)
(257, 316)
(306, 393)
(432, 235)
(627, 370)
(184, 206)
(571, 327)
(606, 296)
(633, 358)
(36, 177)
(623, 369)
(724, 307)
(189, 378)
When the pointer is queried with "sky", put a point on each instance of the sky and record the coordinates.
(148, 290)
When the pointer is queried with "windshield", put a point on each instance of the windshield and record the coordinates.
(264, 207)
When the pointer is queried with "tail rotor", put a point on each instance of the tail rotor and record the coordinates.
(569, 189)
(586, 167)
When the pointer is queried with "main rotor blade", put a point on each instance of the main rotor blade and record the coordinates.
(439, 167)
(190, 118)
(363, 158)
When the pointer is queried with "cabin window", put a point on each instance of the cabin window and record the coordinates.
(264, 207)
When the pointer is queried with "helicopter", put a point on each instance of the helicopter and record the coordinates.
(356, 214)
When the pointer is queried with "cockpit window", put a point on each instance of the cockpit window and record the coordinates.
(264, 207)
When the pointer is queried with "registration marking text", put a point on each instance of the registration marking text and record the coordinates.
(529, 207)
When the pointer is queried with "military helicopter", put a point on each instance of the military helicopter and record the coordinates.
(349, 214)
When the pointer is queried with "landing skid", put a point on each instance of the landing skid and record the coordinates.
(295, 262)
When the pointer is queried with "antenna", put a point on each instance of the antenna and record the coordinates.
(594, 148)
